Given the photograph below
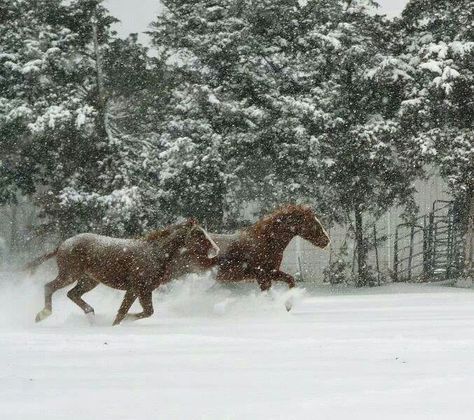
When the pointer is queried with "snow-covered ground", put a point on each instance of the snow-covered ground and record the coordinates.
(396, 352)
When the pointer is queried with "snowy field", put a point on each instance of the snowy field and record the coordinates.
(396, 352)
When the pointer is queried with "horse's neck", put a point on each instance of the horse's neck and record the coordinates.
(167, 248)
(174, 246)
(279, 235)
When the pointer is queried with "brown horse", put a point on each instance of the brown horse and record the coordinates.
(256, 253)
(136, 265)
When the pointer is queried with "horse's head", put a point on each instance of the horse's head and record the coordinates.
(307, 225)
(198, 243)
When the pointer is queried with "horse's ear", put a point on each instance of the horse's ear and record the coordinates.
(191, 221)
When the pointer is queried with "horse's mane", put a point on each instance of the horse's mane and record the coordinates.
(155, 235)
(262, 224)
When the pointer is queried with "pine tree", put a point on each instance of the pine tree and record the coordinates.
(439, 109)
(45, 111)
(136, 99)
(281, 101)
(60, 75)
(244, 113)
(369, 165)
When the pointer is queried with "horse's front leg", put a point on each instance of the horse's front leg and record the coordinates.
(264, 280)
(278, 275)
(265, 283)
(146, 301)
(127, 302)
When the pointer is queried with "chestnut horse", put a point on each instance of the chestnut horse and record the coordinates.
(256, 252)
(136, 265)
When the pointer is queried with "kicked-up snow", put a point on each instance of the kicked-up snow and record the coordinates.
(395, 352)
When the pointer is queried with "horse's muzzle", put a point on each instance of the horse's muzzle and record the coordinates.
(213, 252)
(324, 243)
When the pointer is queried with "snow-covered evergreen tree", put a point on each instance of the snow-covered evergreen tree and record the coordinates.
(439, 109)
(282, 101)
(47, 112)
(59, 68)
(241, 123)
(369, 164)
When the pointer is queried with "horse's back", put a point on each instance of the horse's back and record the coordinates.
(106, 259)
(92, 240)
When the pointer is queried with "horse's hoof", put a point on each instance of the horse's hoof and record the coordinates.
(42, 315)
(91, 317)
(117, 321)
(288, 305)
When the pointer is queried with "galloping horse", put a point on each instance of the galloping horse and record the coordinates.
(256, 252)
(136, 265)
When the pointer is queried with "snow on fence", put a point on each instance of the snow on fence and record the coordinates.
(429, 247)
(302, 257)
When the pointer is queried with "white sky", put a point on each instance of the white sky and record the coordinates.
(135, 15)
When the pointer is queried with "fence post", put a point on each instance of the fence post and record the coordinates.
(376, 255)
(426, 260)
(458, 247)
(434, 248)
(395, 256)
(430, 247)
(449, 246)
(410, 256)
(300, 268)
(298, 259)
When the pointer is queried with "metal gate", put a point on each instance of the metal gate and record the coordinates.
(430, 247)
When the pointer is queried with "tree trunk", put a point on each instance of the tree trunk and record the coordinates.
(102, 120)
(469, 238)
(98, 60)
(13, 229)
(362, 275)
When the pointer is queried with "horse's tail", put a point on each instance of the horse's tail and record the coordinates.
(33, 265)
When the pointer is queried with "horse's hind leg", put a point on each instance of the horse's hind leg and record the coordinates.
(58, 283)
(84, 285)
